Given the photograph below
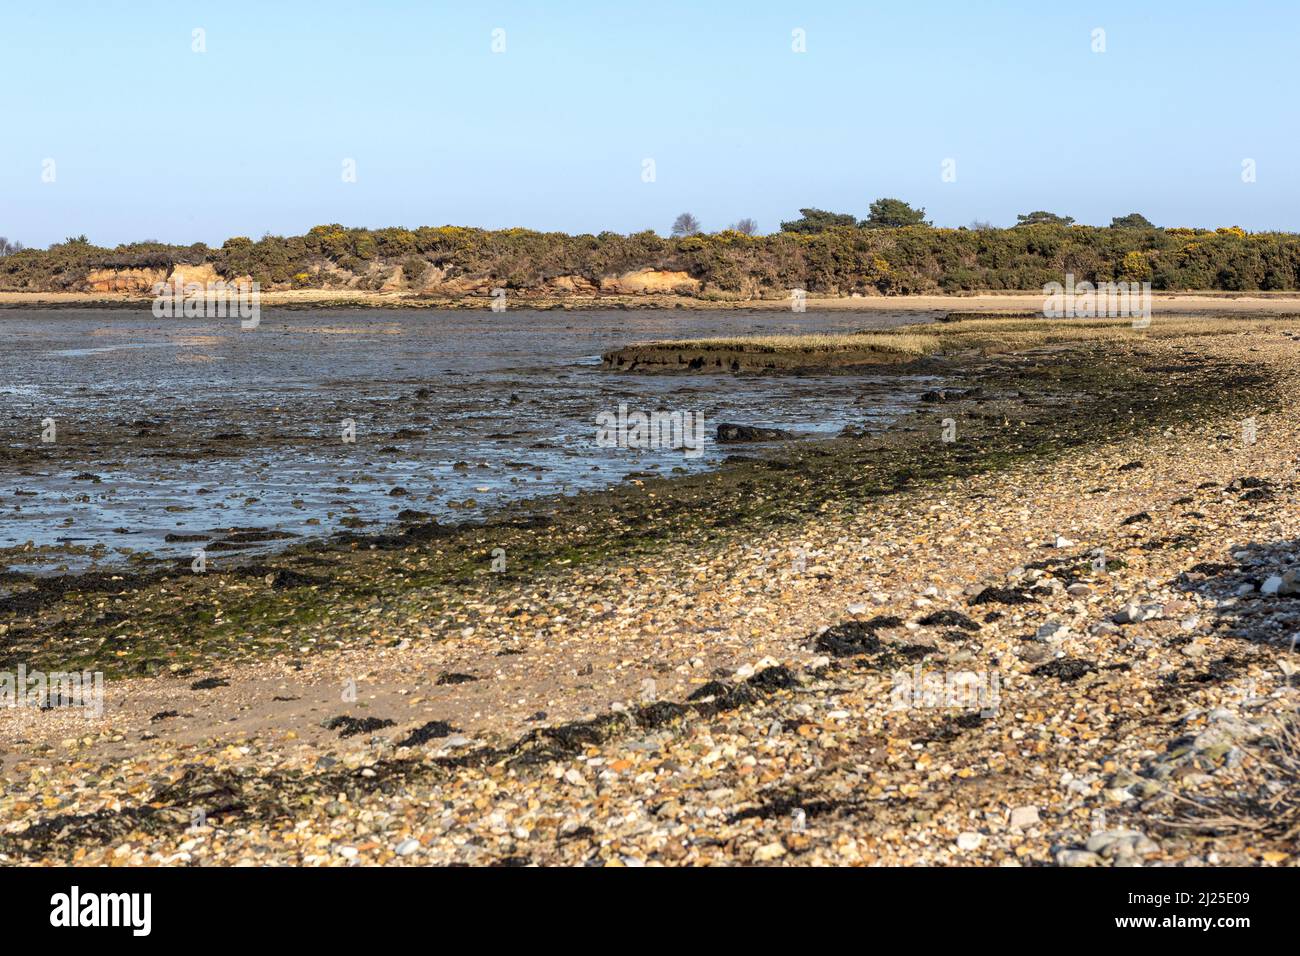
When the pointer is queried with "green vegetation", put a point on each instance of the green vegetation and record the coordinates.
(893, 214)
(824, 253)
(1134, 220)
(1041, 217)
(819, 220)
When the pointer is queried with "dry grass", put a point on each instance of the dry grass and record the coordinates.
(1273, 809)
(992, 334)
(911, 343)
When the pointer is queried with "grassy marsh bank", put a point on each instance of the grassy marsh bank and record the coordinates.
(906, 343)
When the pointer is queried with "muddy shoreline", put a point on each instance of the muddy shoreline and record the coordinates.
(170, 619)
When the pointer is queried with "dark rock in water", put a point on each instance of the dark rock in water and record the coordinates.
(174, 538)
(351, 726)
(256, 536)
(940, 395)
(738, 433)
(410, 514)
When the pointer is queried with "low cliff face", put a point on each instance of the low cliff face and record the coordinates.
(435, 282)
(144, 282)
(131, 281)
(650, 281)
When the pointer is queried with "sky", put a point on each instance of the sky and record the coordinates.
(115, 126)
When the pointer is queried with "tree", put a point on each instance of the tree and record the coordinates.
(1040, 217)
(818, 220)
(8, 248)
(893, 214)
(1134, 220)
(980, 225)
(746, 227)
(685, 225)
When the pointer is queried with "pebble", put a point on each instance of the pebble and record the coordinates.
(1022, 817)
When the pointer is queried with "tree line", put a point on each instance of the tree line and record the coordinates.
(894, 250)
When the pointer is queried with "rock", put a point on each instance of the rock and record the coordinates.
(407, 847)
(1052, 631)
(771, 851)
(1272, 585)
(1113, 843)
(969, 840)
(1022, 817)
(1077, 858)
(1061, 542)
(730, 433)
(1124, 778)
(1134, 614)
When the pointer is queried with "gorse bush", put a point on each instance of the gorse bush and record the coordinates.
(820, 253)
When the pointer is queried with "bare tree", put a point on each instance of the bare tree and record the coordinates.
(980, 225)
(746, 227)
(685, 225)
(8, 248)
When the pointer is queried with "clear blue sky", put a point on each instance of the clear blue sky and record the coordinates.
(152, 140)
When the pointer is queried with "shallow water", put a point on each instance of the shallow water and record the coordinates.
(196, 429)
